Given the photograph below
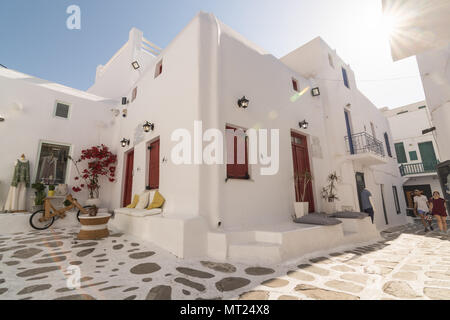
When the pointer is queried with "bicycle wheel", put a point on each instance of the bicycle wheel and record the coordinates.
(40, 225)
(79, 212)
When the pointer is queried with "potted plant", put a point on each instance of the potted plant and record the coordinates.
(329, 192)
(100, 163)
(302, 207)
(51, 190)
(39, 196)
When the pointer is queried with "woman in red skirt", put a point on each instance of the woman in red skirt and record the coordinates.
(438, 208)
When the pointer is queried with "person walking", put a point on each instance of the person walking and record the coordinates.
(438, 208)
(421, 209)
(367, 203)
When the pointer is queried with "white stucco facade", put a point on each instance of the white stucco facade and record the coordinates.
(206, 69)
(407, 123)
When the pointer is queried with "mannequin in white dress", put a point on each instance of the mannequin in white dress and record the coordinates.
(16, 200)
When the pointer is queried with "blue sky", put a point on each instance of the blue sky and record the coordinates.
(35, 39)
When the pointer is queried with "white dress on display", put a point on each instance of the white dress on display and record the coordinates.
(16, 200)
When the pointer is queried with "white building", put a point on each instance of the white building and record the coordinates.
(417, 153)
(233, 211)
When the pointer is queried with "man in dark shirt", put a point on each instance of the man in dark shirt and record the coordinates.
(367, 205)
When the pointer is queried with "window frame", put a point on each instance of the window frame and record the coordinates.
(388, 145)
(295, 85)
(36, 167)
(159, 68)
(345, 77)
(55, 106)
(404, 153)
(231, 174)
(396, 199)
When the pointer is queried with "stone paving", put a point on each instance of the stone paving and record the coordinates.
(406, 264)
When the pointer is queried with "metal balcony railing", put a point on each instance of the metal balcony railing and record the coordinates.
(363, 142)
(418, 168)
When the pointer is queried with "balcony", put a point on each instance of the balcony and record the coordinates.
(420, 169)
(365, 149)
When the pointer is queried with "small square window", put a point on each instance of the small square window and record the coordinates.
(158, 69)
(295, 84)
(330, 60)
(413, 156)
(134, 94)
(62, 110)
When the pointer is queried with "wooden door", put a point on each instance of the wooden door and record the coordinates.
(428, 155)
(153, 178)
(128, 186)
(301, 164)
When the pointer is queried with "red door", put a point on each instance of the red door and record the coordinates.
(301, 165)
(153, 178)
(128, 187)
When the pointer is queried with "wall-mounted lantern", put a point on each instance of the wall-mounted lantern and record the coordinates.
(2, 118)
(135, 65)
(148, 126)
(315, 92)
(125, 142)
(304, 124)
(243, 102)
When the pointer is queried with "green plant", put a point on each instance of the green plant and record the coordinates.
(40, 193)
(51, 187)
(329, 191)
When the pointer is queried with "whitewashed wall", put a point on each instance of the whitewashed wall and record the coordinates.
(28, 104)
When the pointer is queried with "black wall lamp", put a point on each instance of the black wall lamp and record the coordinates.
(304, 124)
(125, 142)
(315, 92)
(243, 102)
(2, 119)
(148, 126)
(135, 65)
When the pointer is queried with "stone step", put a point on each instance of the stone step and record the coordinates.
(255, 252)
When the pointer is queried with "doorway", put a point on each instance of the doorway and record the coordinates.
(128, 181)
(301, 165)
(153, 170)
(384, 204)
(428, 156)
(409, 195)
(360, 185)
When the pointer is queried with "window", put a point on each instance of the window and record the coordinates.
(413, 156)
(397, 204)
(134, 94)
(400, 152)
(158, 69)
(345, 77)
(330, 60)
(237, 153)
(295, 84)
(388, 146)
(62, 110)
(52, 163)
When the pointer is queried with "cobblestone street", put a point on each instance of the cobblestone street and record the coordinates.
(406, 264)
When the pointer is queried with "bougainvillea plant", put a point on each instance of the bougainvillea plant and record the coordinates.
(100, 162)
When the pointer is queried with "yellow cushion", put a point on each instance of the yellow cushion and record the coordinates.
(158, 201)
(134, 202)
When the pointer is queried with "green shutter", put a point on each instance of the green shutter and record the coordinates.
(401, 154)
(413, 156)
(428, 155)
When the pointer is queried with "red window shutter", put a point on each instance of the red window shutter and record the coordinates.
(294, 84)
(236, 170)
(153, 179)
